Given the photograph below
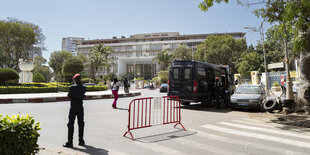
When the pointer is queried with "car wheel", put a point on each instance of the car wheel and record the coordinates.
(269, 106)
(185, 103)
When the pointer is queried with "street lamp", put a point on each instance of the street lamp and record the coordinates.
(261, 31)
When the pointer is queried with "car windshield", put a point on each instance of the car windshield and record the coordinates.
(164, 84)
(247, 89)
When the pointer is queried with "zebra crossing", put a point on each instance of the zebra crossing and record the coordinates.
(242, 136)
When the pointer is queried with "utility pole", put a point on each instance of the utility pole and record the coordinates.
(261, 31)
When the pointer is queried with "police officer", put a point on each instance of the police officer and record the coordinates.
(76, 95)
(218, 92)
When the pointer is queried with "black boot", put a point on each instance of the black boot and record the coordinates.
(81, 134)
(81, 142)
(68, 144)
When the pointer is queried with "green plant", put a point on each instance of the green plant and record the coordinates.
(87, 80)
(7, 74)
(19, 135)
(37, 77)
(276, 84)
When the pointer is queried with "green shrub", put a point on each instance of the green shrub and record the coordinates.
(96, 88)
(7, 74)
(37, 77)
(19, 135)
(87, 80)
(276, 84)
(22, 89)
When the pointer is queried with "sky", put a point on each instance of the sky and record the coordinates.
(102, 19)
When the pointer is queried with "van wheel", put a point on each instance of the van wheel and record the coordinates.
(185, 103)
(269, 106)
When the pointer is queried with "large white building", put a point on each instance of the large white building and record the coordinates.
(134, 55)
(70, 44)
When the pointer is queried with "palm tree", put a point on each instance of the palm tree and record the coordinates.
(105, 51)
(97, 61)
(164, 59)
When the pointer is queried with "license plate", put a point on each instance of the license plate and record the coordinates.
(242, 104)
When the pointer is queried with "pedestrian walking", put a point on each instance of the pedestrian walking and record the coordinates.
(76, 94)
(115, 87)
(126, 85)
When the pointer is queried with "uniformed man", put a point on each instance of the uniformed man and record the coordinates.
(217, 92)
(76, 94)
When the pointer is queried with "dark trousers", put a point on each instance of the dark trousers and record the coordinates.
(79, 112)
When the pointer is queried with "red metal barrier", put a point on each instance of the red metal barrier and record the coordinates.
(150, 111)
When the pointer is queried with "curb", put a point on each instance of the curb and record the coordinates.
(57, 99)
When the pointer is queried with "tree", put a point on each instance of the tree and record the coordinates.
(164, 75)
(7, 74)
(40, 67)
(72, 66)
(289, 14)
(164, 59)
(18, 39)
(106, 51)
(221, 50)
(56, 61)
(97, 61)
(250, 62)
(181, 53)
(37, 77)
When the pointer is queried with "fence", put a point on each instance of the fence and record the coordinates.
(150, 111)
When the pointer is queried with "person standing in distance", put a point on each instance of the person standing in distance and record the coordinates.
(114, 89)
(76, 94)
(126, 85)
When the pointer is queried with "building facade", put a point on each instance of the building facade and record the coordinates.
(70, 44)
(134, 56)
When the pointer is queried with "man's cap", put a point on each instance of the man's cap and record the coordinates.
(76, 76)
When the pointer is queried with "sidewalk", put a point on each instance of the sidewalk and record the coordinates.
(60, 96)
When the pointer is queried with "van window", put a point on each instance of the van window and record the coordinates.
(210, 75)
(202, 74)
(187, 74)
(175, 73)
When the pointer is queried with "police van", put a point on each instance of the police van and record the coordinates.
(194, 81)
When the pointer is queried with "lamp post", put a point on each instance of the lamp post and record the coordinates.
(261, 31)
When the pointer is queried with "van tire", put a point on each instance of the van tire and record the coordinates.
(185, 103)
(269, 106)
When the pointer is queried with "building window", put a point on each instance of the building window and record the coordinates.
(138, 47)
(138, 53)
(156, 47)
(173, 46)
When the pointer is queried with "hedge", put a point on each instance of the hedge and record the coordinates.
(44, 88)
(20, 89)
(19, 135)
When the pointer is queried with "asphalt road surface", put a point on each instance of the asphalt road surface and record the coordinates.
(209, 131)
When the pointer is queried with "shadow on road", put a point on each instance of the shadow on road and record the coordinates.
(122, 109)
(200, 107)
(91, 150)
(290, 122)
(165, 136)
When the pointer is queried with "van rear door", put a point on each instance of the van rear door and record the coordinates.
(180, 82)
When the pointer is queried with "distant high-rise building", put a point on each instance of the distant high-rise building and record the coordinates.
(69, 44)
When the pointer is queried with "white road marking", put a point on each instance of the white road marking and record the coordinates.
(256, 123)
(265, 130)
(159, 148)
(206, 147)
(258, 136)
(281, 151)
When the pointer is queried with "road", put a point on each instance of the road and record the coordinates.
(209, 131)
